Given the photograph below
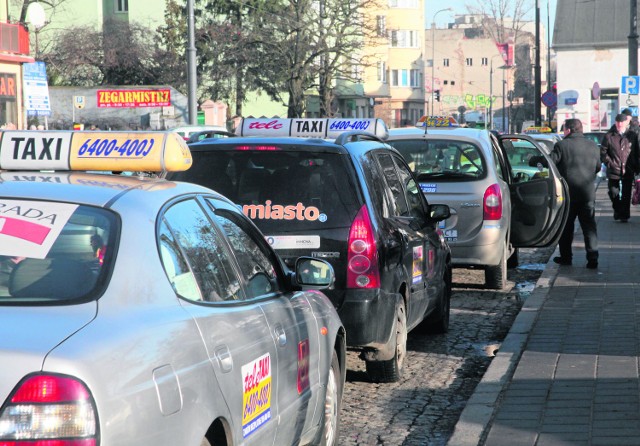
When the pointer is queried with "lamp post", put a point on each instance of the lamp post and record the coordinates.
(191, 66)
(491, 91)
(433, 54)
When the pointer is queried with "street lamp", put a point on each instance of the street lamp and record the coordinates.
(36, 17)
(433, 53)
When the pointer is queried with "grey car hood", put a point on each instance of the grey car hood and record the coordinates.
(28, 334)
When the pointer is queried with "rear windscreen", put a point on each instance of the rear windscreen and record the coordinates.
(280, 190)
(53, 253)
(442, 160)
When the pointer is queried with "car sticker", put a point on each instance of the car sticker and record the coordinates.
(269, 211)
(451, 235)
(418, 261)
(293, 241)
(256, 394)
(29, 228)
(303, 366)
(428, 188)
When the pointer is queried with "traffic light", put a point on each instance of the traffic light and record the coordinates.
(436, 95)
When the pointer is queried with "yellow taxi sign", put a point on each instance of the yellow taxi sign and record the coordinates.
(90, 150)
(437, 121)
(543, 129)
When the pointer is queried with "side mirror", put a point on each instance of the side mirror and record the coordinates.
(314, 273)
(439, 212)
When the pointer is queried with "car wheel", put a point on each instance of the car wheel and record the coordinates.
(391, 370)
(512, 261)
(438, 321)
(332, 403)
(495, 277)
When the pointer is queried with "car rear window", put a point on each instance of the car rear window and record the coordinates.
(280, 190)
(53, 253)
(442, 160)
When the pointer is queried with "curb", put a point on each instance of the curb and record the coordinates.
(471, 428)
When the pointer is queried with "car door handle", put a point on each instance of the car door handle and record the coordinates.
(223, 356)
(281, 336)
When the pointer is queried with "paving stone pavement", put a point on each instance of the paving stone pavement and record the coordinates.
(567, 372)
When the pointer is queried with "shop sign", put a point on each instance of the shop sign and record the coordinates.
(133, 98)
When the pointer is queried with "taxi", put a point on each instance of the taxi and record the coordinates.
(498, 201)
(139, 311)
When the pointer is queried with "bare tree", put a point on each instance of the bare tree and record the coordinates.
(502, 19)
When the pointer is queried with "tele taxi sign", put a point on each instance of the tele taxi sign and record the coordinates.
(310, 127)
(101, 151)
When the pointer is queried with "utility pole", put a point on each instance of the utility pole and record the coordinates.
(548, 63)
(537, 93)
(191, 66)
(633, 39)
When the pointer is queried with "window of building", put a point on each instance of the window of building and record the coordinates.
(405, 78)
(403, 38)
(485, 61)
(445, 63)
(382, 72)
(469, 61)
(122, 5)
(381, 25)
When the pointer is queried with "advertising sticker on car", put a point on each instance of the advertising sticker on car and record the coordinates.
(428, 188)
(418, 262)
(29, 228)
(256, 394)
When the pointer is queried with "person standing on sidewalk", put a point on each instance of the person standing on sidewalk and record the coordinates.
(620, 153)
(578, 160)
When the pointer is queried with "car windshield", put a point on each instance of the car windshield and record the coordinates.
(279, 190)
(53, 253)
(442, 159)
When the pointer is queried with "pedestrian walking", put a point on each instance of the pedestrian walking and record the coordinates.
(578, 160)
(620, 153)
(634, 126)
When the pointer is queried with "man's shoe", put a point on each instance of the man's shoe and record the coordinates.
(563, 261)
(592, 264)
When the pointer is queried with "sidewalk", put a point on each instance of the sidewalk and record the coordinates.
(567, 372)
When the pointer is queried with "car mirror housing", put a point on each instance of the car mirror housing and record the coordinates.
(439, 212)
(312, 273)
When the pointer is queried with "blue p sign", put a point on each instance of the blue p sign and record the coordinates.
(630, 85)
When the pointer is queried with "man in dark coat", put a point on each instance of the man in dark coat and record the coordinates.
(619, 152)
(578, 160)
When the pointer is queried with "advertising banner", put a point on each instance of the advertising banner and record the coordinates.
(133, 98)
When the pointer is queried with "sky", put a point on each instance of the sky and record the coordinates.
(459, 7)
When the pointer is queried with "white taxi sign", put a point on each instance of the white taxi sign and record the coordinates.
(329, 128)
(89, 150)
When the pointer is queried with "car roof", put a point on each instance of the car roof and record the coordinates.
(454, 133)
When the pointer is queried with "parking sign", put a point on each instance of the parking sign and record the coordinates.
(630, 85)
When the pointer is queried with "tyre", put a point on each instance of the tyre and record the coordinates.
(512, 261)
(332, 403)
(391, 370)
(495, 277)
(438, 321)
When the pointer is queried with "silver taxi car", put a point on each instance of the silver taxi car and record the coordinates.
(139, 311)
(498, 202)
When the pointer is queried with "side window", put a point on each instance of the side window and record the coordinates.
(501, 169)
(175, 266)
(520, 152)
(414, 196)
(203, 250)
(255, 265)
(389, 171)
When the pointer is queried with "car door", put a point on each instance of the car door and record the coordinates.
(407, 226)
(234, 329)
(539, 195)
(292, 324)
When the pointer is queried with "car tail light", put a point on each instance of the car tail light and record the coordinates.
(362, 265)
(49, 410)
(492, 203)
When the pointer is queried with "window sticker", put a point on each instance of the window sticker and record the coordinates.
(29, 228)
(269, 211)
(418, 261)
(428, 188)
(293, 241)
(256, 395)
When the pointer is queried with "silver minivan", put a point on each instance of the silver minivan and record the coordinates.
(498, 201)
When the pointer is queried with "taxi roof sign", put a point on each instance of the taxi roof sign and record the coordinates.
(90, 150)
(437, 122)
(329, 128)
(534, 130)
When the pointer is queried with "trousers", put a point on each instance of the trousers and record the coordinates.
(621, 202)
(585, 212)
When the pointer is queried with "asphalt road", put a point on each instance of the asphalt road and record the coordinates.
(441, 371)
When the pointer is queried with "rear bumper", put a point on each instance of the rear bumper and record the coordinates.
(483, 250)
(368, 317)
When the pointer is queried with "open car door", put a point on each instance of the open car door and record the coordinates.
(539, 194)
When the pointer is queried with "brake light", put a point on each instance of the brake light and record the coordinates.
(258, 148)
(492, 203)
(49, 410)
(362, 258)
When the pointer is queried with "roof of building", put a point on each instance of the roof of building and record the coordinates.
(591, 23)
